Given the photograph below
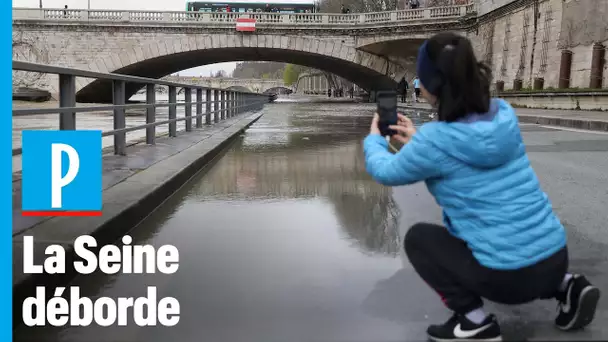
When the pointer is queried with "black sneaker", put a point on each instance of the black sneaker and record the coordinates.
(459, 328)
(577, 304)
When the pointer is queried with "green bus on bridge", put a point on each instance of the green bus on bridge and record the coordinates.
(244, 6)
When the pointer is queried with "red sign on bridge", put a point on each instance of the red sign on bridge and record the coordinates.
(245, 24)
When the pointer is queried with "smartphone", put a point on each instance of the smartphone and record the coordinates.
(387, 111)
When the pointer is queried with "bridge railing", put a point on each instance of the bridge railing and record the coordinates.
(222, 82)
(220, 103)
(285, 19)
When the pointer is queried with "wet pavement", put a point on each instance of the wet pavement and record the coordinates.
(286, 238)
(595, 115)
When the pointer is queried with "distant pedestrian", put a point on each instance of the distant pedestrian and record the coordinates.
(403, 88)
(65, 12)
(343, 9)
(416, 88)
(329, 92)
(414, 4)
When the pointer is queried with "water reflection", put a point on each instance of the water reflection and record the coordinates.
(282, 239)
(371, 221)
(309, 161)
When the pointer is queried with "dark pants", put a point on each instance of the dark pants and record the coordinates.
(449, 267)
(417, 90)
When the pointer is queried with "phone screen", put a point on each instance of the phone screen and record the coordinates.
(387, 111)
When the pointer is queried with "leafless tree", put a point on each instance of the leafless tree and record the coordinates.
(437, 3)
(358, 6)
(220, 74)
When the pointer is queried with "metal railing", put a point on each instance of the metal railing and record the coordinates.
(226, 103)
(217, 18)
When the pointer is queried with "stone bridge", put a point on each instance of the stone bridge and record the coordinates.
(372, 50)
(253, 85)
(318, 82)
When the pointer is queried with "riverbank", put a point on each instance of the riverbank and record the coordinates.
(134, 185)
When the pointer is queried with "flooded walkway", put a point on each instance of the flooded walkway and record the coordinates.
(286, 238)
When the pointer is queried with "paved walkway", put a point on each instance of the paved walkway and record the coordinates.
(581, 119)
(570, 114)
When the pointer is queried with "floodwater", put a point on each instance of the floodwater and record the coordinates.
(286, 238)
(285, 233)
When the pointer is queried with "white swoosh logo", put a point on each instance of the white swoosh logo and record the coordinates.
(458, 332)
(566, 308)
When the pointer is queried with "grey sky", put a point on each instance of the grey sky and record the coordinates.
(151, 5)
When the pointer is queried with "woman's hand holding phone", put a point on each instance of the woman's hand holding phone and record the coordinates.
(405, 128)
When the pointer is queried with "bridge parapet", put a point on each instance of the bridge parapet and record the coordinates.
(252, 84)
(283, 20)
(371, 50)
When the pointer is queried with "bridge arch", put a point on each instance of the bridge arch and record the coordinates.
(167, 56)
(278, 90)
(238, 88)
(328, 81)
(234, 88)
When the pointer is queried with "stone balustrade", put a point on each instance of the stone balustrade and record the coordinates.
(281, 19)
(251, 84)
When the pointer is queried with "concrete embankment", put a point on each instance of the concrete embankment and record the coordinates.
(133, 186)
(569, 122)
(578, 119)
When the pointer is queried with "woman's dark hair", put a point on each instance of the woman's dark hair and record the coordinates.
(463, 84)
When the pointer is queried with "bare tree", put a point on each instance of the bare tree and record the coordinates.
(381, 5)
(220, 74)
(437, 3)
(333, 6)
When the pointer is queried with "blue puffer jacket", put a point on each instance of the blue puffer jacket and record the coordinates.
(479, 173)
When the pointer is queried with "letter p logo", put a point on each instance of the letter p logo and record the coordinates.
(58, 181)
(61, 173)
